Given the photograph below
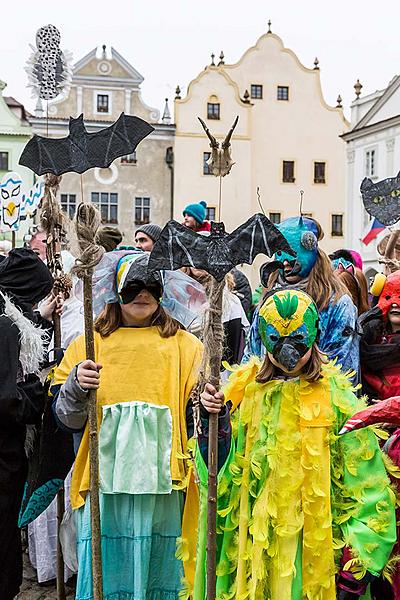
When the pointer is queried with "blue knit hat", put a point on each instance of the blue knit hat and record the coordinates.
(197, 211)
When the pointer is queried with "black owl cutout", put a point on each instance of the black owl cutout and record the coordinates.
(382, 199)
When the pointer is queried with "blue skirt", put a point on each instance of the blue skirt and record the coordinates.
(138, 534)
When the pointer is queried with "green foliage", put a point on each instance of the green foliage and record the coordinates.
(287, 305)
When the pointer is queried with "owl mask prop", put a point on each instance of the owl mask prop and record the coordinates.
(288, 324)
(10, 188)
(302, 236)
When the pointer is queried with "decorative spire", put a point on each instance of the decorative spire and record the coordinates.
(212, 60)
(316, 64)
(358, 87)
(221, 58)
(39, 112)
(104, 55)
(246, 97)
(166, 118)
(178, 93)
(269, 26)
(339, 101)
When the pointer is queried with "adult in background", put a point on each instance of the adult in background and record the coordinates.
(146, 236)
(195, 217)
(109, 237)
(24, 281)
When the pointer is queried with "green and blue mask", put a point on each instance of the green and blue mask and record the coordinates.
(302, 236)
(288, 325)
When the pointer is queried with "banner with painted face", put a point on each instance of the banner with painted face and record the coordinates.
(11, 197)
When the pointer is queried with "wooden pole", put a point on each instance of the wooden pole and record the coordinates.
(214, 335)
(93, 449)
(13, 239)
(87, 223)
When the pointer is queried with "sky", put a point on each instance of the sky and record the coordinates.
(169, 42)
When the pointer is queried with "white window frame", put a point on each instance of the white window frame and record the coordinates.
(142, 208)
(102, 93)
(367, 162)
(68, 204)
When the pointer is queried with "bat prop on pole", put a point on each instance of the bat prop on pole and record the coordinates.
(217, 254)
(87, 222)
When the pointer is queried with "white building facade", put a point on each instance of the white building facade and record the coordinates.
(373, 150)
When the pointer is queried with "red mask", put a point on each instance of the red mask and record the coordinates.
(390, 293)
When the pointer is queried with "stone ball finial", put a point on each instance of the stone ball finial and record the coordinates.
(221, 58)
(316, 64)
(269, 26)
(339, 101)
(177, 93)
(212, 60)
(246, 97)
(358, 87)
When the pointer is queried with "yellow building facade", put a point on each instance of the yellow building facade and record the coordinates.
(287, 140)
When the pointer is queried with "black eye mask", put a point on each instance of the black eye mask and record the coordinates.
(129, 293)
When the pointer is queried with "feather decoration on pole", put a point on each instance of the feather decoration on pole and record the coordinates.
(87, 222)
(217, 254)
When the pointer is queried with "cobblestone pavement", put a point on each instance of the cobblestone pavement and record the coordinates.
(31, 590)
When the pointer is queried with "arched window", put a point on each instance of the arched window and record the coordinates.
(213, 108)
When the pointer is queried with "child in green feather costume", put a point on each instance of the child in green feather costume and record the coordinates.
(302, 512)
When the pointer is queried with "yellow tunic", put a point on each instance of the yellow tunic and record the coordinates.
(138, 365)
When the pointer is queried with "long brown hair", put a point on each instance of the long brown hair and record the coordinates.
(311, 370)
(110, 319)
(357, 288)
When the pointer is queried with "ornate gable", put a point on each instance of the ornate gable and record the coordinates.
(108, 66)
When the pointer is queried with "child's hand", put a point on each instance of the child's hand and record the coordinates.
(88, 375)
(212, 400)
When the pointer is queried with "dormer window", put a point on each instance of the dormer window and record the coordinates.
(213, 108)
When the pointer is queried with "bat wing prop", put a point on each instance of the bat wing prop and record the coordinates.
(382, 199)
(218, 253)
(81, 150)
(385, 411)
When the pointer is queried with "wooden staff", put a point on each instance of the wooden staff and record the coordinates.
(391, 264)
(53, 222)
(213, 348)
(87, 223)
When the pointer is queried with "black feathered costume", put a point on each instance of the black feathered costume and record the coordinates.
(24, 280)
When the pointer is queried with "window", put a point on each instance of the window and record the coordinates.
(142, 210)
(283, 92)
(275, 217)
(3, 161)
(288, 171)
(319, 172)
(211, 213)
(206, 166)
(309, 215)
(370, 163)
(213, 110)
(256, 91)
(68, 204)
(337, 226)
(129, 159)
(102, 103)
(108, 206)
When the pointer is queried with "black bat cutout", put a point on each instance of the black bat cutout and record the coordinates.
(81, 150)
(382, 199)
(219, 252)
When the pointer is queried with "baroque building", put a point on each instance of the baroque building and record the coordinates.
(137, 188)
(287, 140)
(373, 150)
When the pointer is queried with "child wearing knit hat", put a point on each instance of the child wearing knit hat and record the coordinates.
(195, 217)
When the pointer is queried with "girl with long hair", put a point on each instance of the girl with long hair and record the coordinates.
(302, 512)
(311, 271)
(146, 366)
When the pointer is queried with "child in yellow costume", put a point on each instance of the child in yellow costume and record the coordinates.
(302, 512)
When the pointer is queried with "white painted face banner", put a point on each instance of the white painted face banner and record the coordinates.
(11, 197)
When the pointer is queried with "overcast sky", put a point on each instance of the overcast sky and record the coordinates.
(170, 41)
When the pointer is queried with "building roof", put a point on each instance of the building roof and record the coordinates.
(381, 100)
(13, 103)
